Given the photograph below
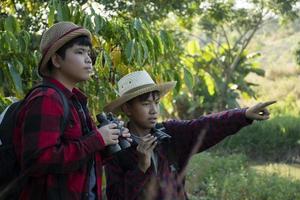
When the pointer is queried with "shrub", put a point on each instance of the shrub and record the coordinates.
(211, 177)
(275, 140)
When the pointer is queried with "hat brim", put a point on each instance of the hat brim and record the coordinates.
(115, 105)
(42, 69)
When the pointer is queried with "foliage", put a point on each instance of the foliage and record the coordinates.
(277, 139)
(133, 35)
(218, 63)
(118, 44)
(18, 58)
(152, 10)
(204, 76)
(212, 177)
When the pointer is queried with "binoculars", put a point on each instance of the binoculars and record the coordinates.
(103, 120)
(162, 137)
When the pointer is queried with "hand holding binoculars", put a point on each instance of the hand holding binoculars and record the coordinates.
(104, 119)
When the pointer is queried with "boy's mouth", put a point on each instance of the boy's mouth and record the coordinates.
(152, 119)
(90, 69)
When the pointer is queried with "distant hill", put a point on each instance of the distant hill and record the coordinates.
(277, 45)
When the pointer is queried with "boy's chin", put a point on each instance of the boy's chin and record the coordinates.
(152, 125)
(81, 79)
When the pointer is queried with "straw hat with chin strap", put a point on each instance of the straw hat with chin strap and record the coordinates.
(136, 84)
(54, 38)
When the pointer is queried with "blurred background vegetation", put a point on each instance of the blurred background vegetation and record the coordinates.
(223, 54)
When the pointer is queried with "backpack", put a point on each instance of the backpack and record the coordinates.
(9, 167)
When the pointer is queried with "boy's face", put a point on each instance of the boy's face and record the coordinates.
(77, 64)
(144, 113)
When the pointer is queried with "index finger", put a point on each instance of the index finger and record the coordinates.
(265, 104)
(112, 125)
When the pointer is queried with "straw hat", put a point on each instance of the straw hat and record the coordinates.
(54, 38)
(136, 84)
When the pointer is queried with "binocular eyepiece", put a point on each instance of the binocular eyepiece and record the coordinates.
(103, 120)
(162, 137)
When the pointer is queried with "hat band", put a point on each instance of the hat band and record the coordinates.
(49, 47)
(137, 88)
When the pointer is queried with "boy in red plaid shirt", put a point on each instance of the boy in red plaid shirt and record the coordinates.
(64, 165)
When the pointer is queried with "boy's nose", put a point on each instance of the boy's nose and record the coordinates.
(88, 60)
(153, 109)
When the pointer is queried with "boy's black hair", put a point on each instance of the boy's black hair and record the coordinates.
(144, 97)
(81, 40)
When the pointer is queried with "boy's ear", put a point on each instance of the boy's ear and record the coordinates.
(55, 60)
(125, 108)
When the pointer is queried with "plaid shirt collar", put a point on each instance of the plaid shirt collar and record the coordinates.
(69, 94)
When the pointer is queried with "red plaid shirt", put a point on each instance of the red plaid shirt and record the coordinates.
(125, 181)
(59, 165)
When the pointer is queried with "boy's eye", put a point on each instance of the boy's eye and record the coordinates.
(80, 52)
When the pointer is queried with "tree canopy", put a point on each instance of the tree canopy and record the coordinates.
(200, 44)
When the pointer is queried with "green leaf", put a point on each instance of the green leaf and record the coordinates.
(63, 12)
(26, 36)
(76, 16)
(107, 59)
(166, 39)
(139, 54)
(193, 47)
(258, 71)
(11, 40)
(99, 23)
(145, 49)
(210, 84)
(137, 25)
(11, 24)
(66, 10)
(16, 78)
(87, 23)
(22, 44)
(51, 15)
(178, 84)
(158, 47)
(19, 67)
(129, 50)
(188, 79)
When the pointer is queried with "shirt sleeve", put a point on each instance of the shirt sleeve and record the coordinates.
(193, 136)
(42, 146)
(124, 184)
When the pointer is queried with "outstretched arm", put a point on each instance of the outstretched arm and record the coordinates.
(209, 130)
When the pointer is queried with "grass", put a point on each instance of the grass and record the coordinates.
(214, 177)
(291, 171)
(276, 140)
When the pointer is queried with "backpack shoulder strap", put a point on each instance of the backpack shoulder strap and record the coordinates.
(66, 107)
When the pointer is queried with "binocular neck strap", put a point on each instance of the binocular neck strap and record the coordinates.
(82, 115)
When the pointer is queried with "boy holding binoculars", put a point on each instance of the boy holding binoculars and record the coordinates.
(153, 167)
(57, 160)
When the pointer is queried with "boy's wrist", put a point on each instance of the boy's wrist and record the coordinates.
(144, 163)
